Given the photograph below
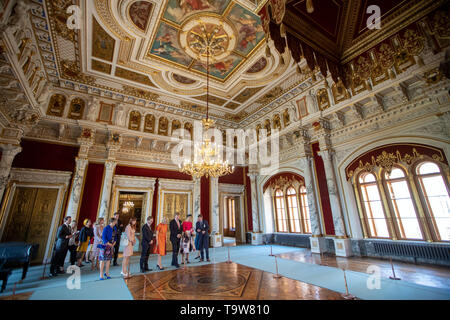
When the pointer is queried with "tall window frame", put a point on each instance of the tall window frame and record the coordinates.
(425, 195)
(280, 211)
(372, 205)
(433, 183)
(304, 210)
(402, 204)
(231, 213)
(294, 220)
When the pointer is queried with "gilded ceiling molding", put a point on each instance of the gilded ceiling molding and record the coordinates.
(103, 8)
(414, 12)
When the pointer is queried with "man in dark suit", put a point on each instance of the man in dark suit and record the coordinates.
(147, 241)
(175, 237)
(119, 229)
(61, 246)
(202, 229)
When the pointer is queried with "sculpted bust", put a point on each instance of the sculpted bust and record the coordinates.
(120, 115)
(93, 109)
(45, 93)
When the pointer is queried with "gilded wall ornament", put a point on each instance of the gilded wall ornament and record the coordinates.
(135, 120)
(56, 105)
(76, 110)
(322, 99)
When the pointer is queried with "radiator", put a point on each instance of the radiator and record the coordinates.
(422, 251)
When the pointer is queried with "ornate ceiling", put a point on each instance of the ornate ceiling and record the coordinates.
(154, 50)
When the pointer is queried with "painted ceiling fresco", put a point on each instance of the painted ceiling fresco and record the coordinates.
(156, 49)
(235, 26)
(140, 12)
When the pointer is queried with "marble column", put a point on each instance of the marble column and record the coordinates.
(342, 243)
(9, 152)
(256, 233)
(305, 164)
(75, 192)
(318, 244)
(196, 196)
(106, 189)
(214, 216)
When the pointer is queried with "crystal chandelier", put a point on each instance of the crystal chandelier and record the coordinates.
(127, 205)
(207, 162)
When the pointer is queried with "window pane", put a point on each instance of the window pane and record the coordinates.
(367, 177)
(293, 211)
(405, 213)
(374, 211)
(305, 210)
(401, 190)
(438, 203)
(280, 211)
(378, 228)
(428, 167)
(291, 191)
(395, 173)
(372, 191)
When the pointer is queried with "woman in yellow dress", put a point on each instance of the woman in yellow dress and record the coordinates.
(86, 235)
(161, 231)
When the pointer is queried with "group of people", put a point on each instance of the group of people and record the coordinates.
(99, 244)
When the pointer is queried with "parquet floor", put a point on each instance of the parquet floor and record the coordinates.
(432, 276)
(223, 281)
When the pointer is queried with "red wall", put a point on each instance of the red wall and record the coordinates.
(248, 194)
(45, 156)
(237, 177)
(91, 193)
(323, 190)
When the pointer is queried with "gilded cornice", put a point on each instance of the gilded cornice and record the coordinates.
(390, 26)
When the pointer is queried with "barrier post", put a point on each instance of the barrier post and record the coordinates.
(277, 275)
(393, 277)
(347, 295)
(229, 260)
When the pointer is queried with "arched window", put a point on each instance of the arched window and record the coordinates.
(402, 205)
(280, 211)
(372, 206)
(437, 198)
(294, 218)
(304, 209)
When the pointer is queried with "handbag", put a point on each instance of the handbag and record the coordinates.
(124, 240)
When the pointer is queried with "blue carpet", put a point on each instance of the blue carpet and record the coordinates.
(112, 289)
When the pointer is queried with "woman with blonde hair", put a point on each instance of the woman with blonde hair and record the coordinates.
(130, 231)
(98, 230)
(161, 232)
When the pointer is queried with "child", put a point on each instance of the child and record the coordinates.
(187, 245)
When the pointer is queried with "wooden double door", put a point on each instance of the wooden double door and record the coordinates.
(30, 217)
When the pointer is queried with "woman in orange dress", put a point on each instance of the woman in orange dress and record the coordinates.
(161, 231)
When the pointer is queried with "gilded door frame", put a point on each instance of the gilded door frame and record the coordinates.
(222, 196)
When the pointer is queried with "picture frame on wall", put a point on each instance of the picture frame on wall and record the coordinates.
(302, 107)
(106, 113)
